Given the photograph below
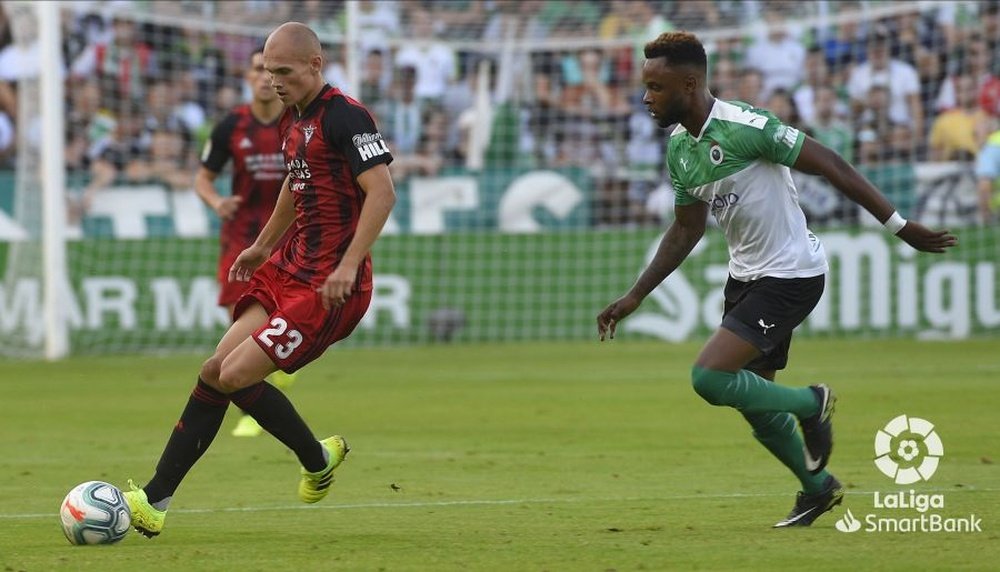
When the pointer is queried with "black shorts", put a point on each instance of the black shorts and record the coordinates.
(764, 312)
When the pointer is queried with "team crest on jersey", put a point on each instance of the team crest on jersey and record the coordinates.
(715, 154)
(308, 131)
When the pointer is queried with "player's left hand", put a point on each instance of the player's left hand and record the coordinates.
(248, 261)
(926, 240)
(616, 311)
(338, 286)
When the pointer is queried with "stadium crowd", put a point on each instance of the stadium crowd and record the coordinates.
(146, 80)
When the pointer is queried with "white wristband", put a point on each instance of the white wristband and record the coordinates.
(894, 223)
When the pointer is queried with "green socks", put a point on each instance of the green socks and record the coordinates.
(771, 410)
(750, 393)
(779, 433)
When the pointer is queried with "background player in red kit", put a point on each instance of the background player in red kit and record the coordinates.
(249, 136)
(303, 297)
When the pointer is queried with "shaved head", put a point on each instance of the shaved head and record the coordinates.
(293, 59)
(294, 40)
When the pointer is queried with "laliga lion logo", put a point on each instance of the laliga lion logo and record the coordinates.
(908, 450)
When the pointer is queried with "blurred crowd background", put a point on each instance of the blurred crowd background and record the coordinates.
(887, 84)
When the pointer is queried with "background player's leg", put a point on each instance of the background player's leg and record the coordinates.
(202, 416)
(718, 376)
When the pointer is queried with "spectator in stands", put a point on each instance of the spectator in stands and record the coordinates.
(334, 71)
(400, 115)
(724, 81)
(729, 48)
(571, 18)
(5, 34)
(321, 17)
(915, 33)
(959, 133)
(544, 115)
(122, 64)
(900, 78)
(427, 158)
(975, 60)
(843, 43)
(778, 56)
(816, 76)
(109, 157)
(874, 113)
(205, 62)
(931, 70)
(434, 61)
(20, 59)
(378, 22)
(164, 162)
(750, 88)
(186, 107)
(987, 179)
(693, 15)
(886, 159)
(376, 77)
(990, 20)
(587, 91)
(827, 127)
(253, 12)
(462, 19)
(955, 19)
(781, 103)
(644, 153)
(89, 117)
(596, 112)
(162, 114)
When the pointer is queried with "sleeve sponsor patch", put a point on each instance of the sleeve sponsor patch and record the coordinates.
(786, 135)
(369, 145)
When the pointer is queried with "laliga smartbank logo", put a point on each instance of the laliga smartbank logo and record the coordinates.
(908, 450)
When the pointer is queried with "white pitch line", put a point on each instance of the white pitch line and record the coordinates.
(486, 502)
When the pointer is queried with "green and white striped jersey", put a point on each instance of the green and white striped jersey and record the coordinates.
(739, 165)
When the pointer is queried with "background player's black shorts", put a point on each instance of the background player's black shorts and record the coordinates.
(764, 312)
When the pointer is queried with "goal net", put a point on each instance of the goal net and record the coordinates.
(531, 180)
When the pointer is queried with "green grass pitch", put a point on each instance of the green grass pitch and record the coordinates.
(545, 456)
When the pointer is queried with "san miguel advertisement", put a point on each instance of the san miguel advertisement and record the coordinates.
(522, 265)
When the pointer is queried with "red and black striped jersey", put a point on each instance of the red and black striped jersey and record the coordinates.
(325, 149)
(258, 172)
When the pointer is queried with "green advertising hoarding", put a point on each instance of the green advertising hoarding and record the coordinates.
(159, 294)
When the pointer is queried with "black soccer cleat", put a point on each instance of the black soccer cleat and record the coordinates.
(817, 431)
(809, 507)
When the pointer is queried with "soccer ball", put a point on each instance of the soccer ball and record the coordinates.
(95, 512)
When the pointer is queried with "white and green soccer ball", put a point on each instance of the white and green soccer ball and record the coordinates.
(95, 512)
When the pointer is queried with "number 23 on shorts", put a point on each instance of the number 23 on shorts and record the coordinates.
(279, 337)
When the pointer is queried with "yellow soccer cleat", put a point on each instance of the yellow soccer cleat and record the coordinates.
(283, 380)
(247, 426)
(314, 486)
(145, 517)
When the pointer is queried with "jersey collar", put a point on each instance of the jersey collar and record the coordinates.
(315, 102)
(704, 127)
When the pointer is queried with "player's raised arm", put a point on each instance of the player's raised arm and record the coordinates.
(817, 159)
(255, 255)
(685, 232)
(380, 196)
